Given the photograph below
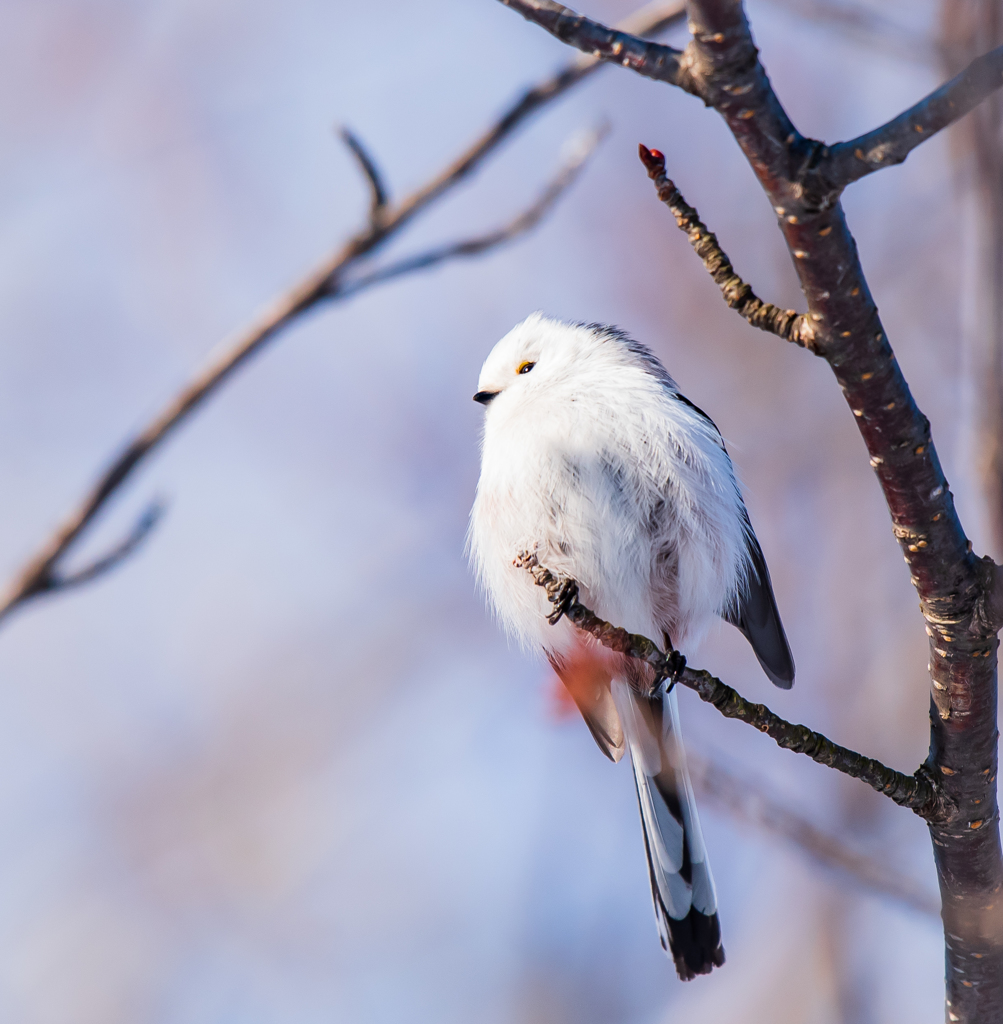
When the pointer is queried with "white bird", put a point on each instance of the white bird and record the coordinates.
(592, 459)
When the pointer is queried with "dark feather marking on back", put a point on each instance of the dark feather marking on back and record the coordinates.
(651, 364)
(613, 471)
(696, 408)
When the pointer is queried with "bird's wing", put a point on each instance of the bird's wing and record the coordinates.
(587, 679)
(682, 888)
(756, 614)
(757, 617)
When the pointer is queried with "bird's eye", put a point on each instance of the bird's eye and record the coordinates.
(525, 367)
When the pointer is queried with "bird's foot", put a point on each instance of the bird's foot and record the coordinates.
(564, 597)
(672, 668)
(676, 663)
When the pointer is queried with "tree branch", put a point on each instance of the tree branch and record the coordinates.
(100, 566)
(956, 590)
(724, 46)
(653, 60)
(846, 162)
(749, 802)
(525, 221)
(919, 792)
(380, 196)
(324, 283)
(784, 323)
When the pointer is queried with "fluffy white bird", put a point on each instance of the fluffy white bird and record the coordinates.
(592, 459)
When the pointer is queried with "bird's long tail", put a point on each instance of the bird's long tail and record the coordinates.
(681, 884)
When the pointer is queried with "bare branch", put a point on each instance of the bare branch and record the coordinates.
(784, 323)
(749, 802)
(44, 580)
(653, 18)
(918, 792)
(724, 45)
(653, 60)
(583, 149)
(380, 197)
(846, 162)
(99, 567)
(322, 284)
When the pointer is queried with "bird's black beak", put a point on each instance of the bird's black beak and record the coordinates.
(485, 396)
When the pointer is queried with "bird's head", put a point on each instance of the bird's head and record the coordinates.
(534, 355)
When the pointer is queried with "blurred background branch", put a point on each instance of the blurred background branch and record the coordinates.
(42, 574)
(380, 196)
(748, 800)
(580, 149)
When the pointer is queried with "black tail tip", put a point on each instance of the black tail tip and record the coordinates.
(695, 944)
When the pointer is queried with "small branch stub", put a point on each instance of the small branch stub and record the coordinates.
(784, 323)
(379, 196)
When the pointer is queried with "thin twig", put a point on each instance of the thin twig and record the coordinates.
(653, 60)
(519, 225)
(367, 165)
(649, 20)
(917, 792)
(40, 574)
(748, 801)
(784, 323)
(144, 526)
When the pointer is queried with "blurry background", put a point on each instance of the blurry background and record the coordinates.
(281, 767)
